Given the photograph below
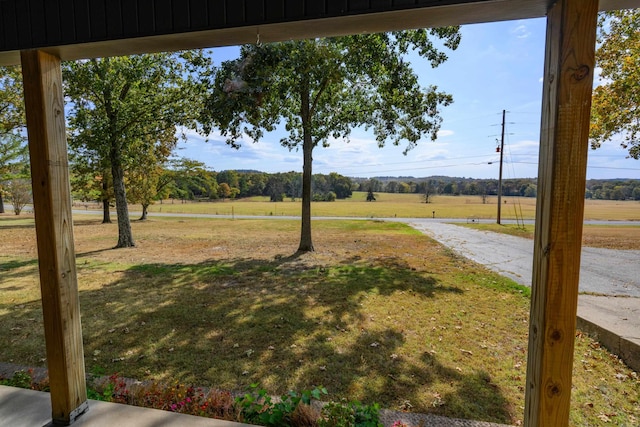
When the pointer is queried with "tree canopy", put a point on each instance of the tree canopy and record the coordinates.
(125, 110)
(616, 102)
(323, 88)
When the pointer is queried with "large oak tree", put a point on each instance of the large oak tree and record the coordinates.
(323, 88)
(122, 106)
(616, 101)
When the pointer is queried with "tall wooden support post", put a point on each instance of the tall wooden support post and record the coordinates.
(569, 64)
(44, 103)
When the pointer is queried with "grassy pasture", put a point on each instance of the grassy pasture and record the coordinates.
(379, 313)
(399, 205)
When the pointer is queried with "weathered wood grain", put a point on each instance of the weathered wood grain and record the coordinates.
(44, 105)
(569, 65)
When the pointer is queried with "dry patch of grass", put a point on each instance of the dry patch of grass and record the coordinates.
(596, 236)
(611, 236)
(379, 313)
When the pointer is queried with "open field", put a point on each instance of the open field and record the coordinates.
(378, 313)
(398, 205)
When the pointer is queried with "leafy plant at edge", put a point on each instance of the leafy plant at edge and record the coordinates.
(348, 414)
(25, 379)
(20, 379)
(258, 407)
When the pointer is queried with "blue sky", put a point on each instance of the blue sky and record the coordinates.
(497, 66)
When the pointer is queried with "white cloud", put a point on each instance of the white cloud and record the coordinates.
(521, 31)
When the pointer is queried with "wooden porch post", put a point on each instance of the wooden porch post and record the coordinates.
(44, 103)
(566, 104)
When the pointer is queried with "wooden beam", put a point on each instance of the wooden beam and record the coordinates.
(44, 104)
(566, 104)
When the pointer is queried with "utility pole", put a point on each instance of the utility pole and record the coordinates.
(504, 112)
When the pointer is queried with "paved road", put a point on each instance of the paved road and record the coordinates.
(604, 271)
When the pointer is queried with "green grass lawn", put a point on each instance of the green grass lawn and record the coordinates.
(379, 313)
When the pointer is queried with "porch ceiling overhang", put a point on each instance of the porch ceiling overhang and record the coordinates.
(71, 29)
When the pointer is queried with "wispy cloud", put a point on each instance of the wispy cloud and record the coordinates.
(444, 133)
(521, 31)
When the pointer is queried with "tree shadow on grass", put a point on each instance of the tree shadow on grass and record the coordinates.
(282, 323)
(87, 254)
(15, 269)
(278, 323)
(5, 226)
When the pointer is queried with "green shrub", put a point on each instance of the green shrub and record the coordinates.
(259, 408)
(20, 379)
(350, 414)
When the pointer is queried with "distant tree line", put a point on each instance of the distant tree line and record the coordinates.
(613, 189)
(602, 189)
(451, 186)
(187, 180)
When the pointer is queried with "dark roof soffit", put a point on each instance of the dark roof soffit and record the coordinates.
(453, 12)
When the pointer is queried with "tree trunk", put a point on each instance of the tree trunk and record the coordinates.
(306, 244)
(1, 203)
(145, 207)
(106, 213)
(125, 236)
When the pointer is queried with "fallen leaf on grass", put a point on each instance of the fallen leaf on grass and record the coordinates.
(604, 418)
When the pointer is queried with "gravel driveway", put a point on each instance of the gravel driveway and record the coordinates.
(603, 271)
